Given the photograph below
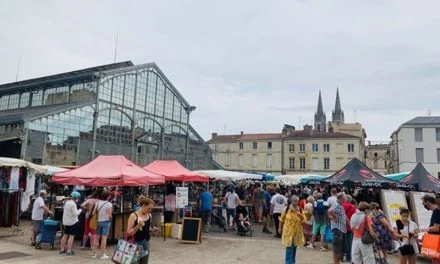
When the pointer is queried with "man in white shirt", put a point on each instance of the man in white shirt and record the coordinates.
(70, 222)
(38, 210)
(277, 205)
(231, 199)
(332, 199)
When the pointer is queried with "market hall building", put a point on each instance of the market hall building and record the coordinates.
(70, 118)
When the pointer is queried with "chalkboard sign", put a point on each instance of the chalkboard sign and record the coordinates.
(191, 230)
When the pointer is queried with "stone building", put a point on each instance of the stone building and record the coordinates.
(417, 140)
(377, 157)
(311, 150)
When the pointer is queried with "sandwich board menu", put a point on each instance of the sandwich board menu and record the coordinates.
(392, 201)
(418, 212)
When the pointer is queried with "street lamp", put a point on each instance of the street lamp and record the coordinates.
(188, 110)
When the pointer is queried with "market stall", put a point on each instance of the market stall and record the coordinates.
(225, 175)
(173, 171)
(17, 186)
(116, 171)
(295, 179)
(423, 179)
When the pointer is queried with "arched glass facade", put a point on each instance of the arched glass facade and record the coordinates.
(134, 111)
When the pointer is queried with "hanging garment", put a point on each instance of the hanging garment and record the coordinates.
(15, 176)
(27, 194)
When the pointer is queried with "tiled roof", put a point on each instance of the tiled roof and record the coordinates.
(423, 120)
(298, 134)
(316, 134)
(245, 137)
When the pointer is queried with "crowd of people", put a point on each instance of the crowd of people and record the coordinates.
(360, 231)
(98, 208)
(303, 216)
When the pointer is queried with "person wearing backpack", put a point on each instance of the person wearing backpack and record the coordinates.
(320, 220)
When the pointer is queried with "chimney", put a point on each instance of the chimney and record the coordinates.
(241, 133)
(214, 135)
(369, 143)
(308, 128)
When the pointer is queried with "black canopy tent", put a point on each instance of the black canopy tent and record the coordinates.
(421, 177)
(356, 172)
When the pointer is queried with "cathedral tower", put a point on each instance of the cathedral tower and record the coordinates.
(338, 114)
(320, 119)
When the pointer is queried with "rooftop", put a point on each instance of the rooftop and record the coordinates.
(298, 134)
(423, 120)
(64, 77)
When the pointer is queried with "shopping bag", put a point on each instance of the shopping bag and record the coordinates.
(431, 246)
(328, 236)
(127, 252)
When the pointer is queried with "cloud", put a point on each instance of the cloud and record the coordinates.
(249, 65)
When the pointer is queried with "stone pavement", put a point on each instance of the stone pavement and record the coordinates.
(216, 248)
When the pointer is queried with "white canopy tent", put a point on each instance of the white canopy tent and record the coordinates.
(51, 169)
(10, 162)
(229, 175)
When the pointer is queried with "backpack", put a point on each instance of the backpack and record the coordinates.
(320, 208)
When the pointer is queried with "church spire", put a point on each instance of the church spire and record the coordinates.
(320, 118)
(338, 114)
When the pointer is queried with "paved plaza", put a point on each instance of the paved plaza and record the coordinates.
(216, 248)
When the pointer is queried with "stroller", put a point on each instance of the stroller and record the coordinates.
(242, 222)
(219, 221)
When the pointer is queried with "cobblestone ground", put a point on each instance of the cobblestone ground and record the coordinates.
(216, 248)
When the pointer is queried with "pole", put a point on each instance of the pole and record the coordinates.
(163, 214)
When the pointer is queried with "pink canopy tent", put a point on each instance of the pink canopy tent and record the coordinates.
(108, 171)
(174, 171)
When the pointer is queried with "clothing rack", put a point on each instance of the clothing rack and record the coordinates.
(16, 229)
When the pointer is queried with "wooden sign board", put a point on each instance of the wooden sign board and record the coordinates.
(191, 230)
(418, 212)
(392, 201)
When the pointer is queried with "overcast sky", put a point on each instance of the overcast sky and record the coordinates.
(247, 66)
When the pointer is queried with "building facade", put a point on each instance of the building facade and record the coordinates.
(248, 152)
(323, 153)
(319, 149)
(377, 157)
(417, 140)
(290, 152)
(121, 108)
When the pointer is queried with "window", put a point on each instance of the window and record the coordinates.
(326, 147)
(254, 145)
(240, 145)
(315, 147)
(302, 147)
(291, 147)
(438, 155)
(240, 160)
(438, 175)
(269, 160)
(350, 147)
(254, 161)
(315, 163)
(269, 145)
(326, 163)
(419, 155)
(418, 134)
(437, 134)
(292, 163)
(302, 163)
(228, 160)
